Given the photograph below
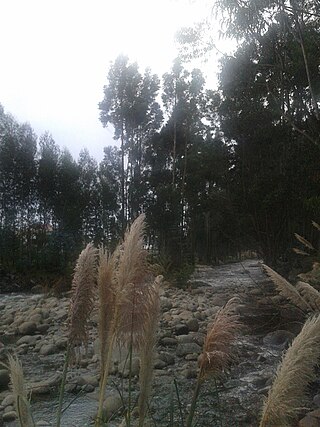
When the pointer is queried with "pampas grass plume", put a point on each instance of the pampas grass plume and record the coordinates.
(288, 392)
(310, 294)
(19, 391)
(82, 299)
(106, 299)
(287, 290)
(304, 241)
(217, 349)
(125, 289)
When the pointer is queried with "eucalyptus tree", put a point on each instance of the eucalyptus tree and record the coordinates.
(286, 35)
(109, 184)
(130, 105)
(89, 197)
(47, 178)
(270, 93)
(179, 163)
(67, 237)
(18, 146)
(267, 106)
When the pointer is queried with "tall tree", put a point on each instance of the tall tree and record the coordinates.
(89, 197)
(18, 146)
(47, 178)
(109, 188)
(269, 96)
(130, 105)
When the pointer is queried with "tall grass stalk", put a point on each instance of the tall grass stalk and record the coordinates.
(148, 348)
(194, 401)
(287, 395)
(19, 391)
(217, 349)
(179, 402)
(127, 281)
(81, 305)
(287, 290)
(63, 384)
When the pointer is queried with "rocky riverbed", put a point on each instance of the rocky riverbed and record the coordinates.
(34, 327)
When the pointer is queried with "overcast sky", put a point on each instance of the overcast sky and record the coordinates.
(55, 56)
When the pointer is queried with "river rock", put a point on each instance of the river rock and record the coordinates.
(188, 348)
(111, 405)
(88, 380)
(8, 408)
(280, 338)
(47, 349)
(169, 341)
(316, 400)
(27, 328)
(193, 325)
(7, 319)
(181, 329)
(4, 379)
(123, 368)
(42, 423)
(28, 339)
(185, 315)
(312, 419)
(190, 373)
(9, 416)
(8, 401)
(46, 386)
(166, 357)
(183, 339)
(35, 318)
(165, 304)
(62, 343)
(159, 364)
(43, 327)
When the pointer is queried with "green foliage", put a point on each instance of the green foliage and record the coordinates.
(228, 170)
(181, 276)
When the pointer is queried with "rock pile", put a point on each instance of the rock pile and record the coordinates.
(34, 326)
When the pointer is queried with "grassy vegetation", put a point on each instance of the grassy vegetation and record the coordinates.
(123, 286)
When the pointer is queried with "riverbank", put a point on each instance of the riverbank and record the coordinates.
(34, 326)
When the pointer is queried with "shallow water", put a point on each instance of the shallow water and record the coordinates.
(79, 413)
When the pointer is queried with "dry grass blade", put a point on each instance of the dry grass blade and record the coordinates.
(304, 241)
(19, 391)
(147, 351)
(133, 286)
(132, 265)
(134, 314)
(82, 299)
(316, 225)
(288, 392)
(129, 279)
(217, 349)
(310, 294)
(300, 252)
(287, 290)
(106, 299)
